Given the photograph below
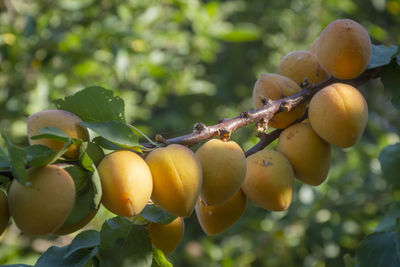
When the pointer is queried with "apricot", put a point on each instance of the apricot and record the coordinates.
(4, 213)
(42, 207)
(216, 219)
(67, 229)
(314, 46)
(61, 119)
(338, 114)
(300, 65)
(177, 179)
(126, 182)
(269, 180)
(275, 86)
(344, 49)
(167, 237)
(308, 154)
(224, 169)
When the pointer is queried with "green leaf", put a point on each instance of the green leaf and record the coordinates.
(51, 132)
(123, 243)
(104, 143)
(85, 239)
(79, 175)
(159, 259)
(118, 133)
(17, 159)
(82, 248)
(39, 155)
(90, 153)
(58, 135)
(94, 104)
(390, 77)
(379, 249)
(4, 162)
(62, 150)
(88, 194)
(153, 213)
(4, 158)
(381, 55)
(391, 220)
(4, 179)
(390, 164)
(398, 59)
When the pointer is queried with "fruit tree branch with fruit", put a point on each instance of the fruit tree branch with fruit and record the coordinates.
(262, 115)
(86, 148)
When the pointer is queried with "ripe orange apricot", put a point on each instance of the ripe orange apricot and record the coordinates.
(216, 219)
(61, 119)
(4, 213)
(269, 180)
(275, 86)
(126, 182)
(42, 207)
(344, 49)
(177, 179)
(300, 65)
(167, 237)
(308, 154)
(338, 114)
(224, 169)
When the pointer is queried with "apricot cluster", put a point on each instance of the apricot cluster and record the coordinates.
(337, 114)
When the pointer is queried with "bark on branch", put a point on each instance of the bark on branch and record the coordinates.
(224, 128)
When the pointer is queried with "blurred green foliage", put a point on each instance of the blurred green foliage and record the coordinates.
(178, 62)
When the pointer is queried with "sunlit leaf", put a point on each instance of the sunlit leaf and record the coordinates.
(159, 259)
(94, 104)
(116, 132)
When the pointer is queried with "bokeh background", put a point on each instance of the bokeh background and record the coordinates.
(178, 62)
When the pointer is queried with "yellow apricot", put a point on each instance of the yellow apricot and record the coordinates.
(126, 182)
(42, 207)
(308, 154)
(216, 219)
(224, 169)
(269, 180)
(344, 49)
(314, 46)
(177, 179)
(275, 86)
(167, 237)
(61, 119)
(300, 65)
(4, 213)
(338, 114)
(67, 229)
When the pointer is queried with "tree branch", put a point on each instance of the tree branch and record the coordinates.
(262, 115)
